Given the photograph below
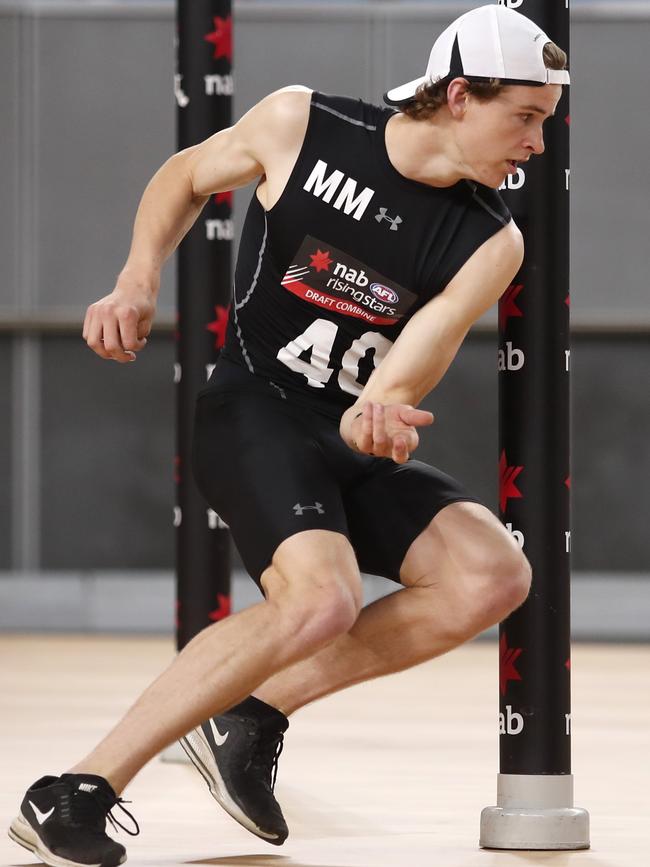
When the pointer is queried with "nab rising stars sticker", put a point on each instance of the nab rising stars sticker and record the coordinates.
(333, 280)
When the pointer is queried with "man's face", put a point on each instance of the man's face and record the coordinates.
(494, 136)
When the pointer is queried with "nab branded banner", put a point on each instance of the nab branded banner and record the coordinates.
(534, 473)
(203, 87)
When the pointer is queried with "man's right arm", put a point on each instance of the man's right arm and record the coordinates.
(117, 326)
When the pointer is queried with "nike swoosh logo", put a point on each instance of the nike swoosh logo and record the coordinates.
(40, 817)
(219, 739)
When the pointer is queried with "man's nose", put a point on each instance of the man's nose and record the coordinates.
(536, 142)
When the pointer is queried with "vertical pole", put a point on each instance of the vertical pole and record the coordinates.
(535, 785)
(203, 89)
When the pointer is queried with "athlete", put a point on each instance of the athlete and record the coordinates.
(374, 240)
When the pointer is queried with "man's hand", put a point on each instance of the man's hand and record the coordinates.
(117, 326)
(384, 431)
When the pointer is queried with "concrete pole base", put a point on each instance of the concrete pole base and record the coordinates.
(534, 811)
(174, 753)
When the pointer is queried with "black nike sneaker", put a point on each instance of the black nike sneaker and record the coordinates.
(237, 754)
(62, 820)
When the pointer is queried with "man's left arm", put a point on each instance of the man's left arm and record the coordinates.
(383, 420)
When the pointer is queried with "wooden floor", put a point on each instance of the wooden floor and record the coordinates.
(394, 772)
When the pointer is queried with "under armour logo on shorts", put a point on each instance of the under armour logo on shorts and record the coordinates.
(394, 221)
(318, 507)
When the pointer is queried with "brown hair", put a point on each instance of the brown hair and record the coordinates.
(430, 97)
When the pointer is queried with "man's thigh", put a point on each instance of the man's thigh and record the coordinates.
(463, 540)
(392, 507)
(260, 468)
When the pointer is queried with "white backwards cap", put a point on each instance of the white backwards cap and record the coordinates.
(484, 43)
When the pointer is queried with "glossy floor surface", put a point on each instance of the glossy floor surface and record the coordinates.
(394, 772)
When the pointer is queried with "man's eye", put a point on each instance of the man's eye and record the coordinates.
(526, 117)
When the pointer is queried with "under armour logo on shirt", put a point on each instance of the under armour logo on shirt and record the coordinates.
(394, 221)
(317, 507)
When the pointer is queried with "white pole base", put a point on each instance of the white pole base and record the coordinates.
(174, 753)
(535, 811)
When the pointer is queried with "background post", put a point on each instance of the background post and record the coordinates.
(535, 785)
(203, 89)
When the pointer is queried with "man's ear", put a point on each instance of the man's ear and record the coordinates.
(457, 97)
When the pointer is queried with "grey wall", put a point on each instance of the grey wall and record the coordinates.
(6, 453)
(88, 114)
(105, 490)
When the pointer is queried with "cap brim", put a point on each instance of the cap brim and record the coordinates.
(405, 92)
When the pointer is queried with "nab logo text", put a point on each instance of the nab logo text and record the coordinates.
(517, 535)
(510, 723)
(510, 359)
(215, 521)
(514, 182)
(346, 197)
(218, 85)
(219, 230)
(181, 97)
(511, 4)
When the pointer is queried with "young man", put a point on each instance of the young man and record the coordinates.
(374, 240)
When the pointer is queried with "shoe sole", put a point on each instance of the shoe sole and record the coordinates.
(200, 754)
(21, 832)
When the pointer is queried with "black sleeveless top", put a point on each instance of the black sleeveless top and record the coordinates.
(326, 279)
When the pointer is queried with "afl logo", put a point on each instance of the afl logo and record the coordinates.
(383, 293)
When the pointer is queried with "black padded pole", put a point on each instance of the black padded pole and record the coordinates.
(203, 89)
(534, 471)
(535, 786)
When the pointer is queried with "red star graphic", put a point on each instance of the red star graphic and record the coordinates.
(507, 306)
(507, 658)
(219, 325)
(507, 476)
(225, 198)
(221, 38)
(567, 301)
(567, 482)
(223, 608)
(321, 261)
(567, 664)
(567, 120)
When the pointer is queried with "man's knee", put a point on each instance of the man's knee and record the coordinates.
(315, 607)
(499, 586)
(483, 590)
(318, 615)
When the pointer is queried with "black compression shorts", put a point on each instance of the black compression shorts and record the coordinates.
(271, 468)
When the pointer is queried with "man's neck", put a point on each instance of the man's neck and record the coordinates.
(424, 150)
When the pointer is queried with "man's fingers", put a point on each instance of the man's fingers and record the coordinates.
(95, 337)
(388, 431)
(364, 442)
(113, 341)
(86, 327)
(416, 417)
(400, 450)
(378, 429)
(128, 326)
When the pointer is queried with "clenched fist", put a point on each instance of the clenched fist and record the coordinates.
(117, 326)
(385, 431)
